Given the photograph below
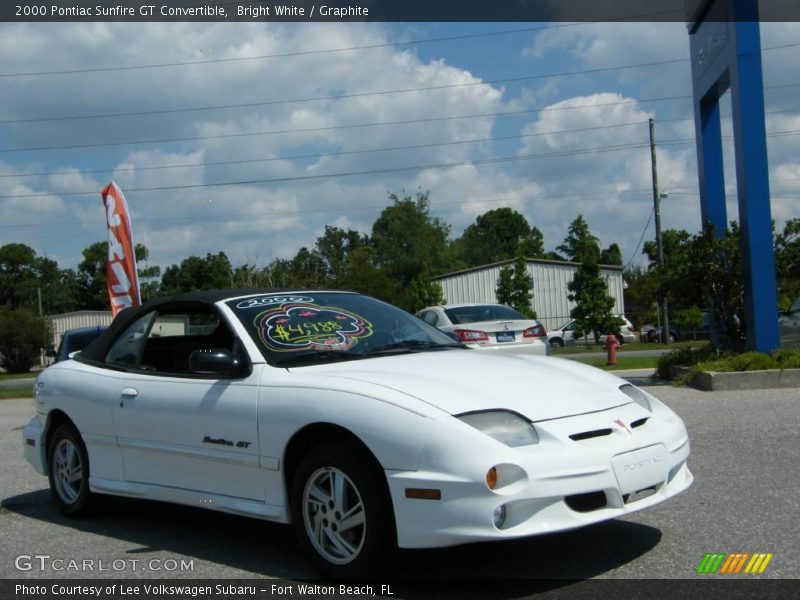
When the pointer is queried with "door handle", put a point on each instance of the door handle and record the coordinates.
(129, 392)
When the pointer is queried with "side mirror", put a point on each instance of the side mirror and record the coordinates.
(452, 335)
(213, 361)
(51, 353)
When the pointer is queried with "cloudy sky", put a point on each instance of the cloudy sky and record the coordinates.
(550, 119)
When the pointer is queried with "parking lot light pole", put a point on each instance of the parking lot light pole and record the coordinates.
(659, 244)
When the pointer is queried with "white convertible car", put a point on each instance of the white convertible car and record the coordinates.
(363, 426)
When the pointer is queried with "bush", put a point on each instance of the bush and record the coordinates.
(22, 336)
(682, 357)
(752, 361)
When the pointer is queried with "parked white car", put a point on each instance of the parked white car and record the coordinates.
(356, 422)
(491, 327)
(565, 335)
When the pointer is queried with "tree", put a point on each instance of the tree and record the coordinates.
(360, 273)
(196, 273)
(408, 241)
(149, 275)
(308, 269)
(589, 291)
(333, 246)
(423, 292)
(688, 319)
(23, 275)
(703, 270)
(640, 294)
(787, 262)
(515, 287)
(22, 336)
(18, 276)
(578, 238)
(92, 273)
(611, 255)
(497, 235)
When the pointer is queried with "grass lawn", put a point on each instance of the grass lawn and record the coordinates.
(581, 349)
(624, 362)
(29, 375)
(25, 392)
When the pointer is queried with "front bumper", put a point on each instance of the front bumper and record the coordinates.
(33, 445)
(557, 485)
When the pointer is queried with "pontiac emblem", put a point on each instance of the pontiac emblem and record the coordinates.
(623, 426)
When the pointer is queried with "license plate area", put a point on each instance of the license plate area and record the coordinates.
(505, 336)
(640, 469)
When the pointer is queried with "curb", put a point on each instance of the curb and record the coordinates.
(711, 381)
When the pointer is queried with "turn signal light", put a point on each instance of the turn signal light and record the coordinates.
(423, 494)
(491, 478)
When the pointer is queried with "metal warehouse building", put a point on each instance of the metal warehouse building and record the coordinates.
(80, 318)
(550, 279)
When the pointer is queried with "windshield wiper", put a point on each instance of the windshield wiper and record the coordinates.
(410, 346)
(319, 356)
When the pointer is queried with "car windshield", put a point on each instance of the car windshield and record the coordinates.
(481, 312)
(318, 327)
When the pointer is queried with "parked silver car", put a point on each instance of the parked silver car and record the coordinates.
(490, 327)
(565, 335)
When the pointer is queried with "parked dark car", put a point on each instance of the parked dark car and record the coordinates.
(676, 334)
(75, 340)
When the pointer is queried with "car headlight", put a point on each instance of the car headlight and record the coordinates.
(637, 395)
(504, 426)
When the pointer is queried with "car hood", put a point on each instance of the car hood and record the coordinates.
(459, 381)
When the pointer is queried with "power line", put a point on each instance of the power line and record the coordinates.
(493, 160)
(352, 173)
(373, 150)
(363, 125)
(445, 86)
(641, 238)
(327, 154)
(361, 94)
(327, 50)
(337, 127)
(271, 214)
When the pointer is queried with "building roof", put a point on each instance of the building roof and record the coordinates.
(566, 263)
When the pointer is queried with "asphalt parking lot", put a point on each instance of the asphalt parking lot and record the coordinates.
(745, 498)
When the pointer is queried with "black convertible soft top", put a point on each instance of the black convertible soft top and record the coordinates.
(98, 349)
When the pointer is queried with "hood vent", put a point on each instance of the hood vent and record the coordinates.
(590, 434)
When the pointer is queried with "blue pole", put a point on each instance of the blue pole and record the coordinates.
(752, 177)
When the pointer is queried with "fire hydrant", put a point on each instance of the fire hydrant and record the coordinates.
(610, 347)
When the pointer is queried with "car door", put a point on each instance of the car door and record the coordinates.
(181, 429)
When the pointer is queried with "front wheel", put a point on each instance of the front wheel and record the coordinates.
(557, 343)
(342, 513)
(68, 472)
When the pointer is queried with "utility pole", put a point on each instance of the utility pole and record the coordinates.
(659, 242)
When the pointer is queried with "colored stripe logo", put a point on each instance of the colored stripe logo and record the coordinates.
(734, 563)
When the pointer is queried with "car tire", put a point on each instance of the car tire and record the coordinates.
(68, 473)
(363, 506)
(557, 343)
(673, 338)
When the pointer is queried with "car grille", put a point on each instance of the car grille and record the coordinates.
(587, 502)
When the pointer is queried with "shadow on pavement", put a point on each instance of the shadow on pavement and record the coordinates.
(268, 549)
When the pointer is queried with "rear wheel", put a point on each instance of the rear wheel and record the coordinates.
(68, 472)
(342, 512)
(557, 343)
